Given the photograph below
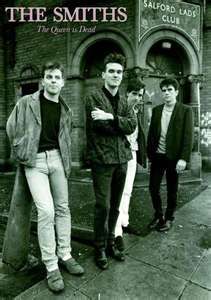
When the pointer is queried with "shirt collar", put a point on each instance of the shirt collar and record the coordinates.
(109, 95)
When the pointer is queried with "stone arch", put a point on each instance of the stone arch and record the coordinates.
(80, 85)
(156, 34)
(193, 68)
(28, 80)
(29, 71)
(113, 35)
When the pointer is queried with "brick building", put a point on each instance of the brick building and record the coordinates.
(158, 38)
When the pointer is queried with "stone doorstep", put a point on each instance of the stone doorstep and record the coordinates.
(142, 180)
(85, 175)
(86, 234)
(80, 233)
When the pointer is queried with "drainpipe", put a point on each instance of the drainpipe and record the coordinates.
(196, 161)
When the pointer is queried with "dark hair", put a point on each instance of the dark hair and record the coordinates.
(115, 58)
(52, 65)
(135, 84)
(169, 81)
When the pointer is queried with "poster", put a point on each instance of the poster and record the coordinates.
(158, 38)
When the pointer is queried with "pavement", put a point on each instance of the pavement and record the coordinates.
(170, 265)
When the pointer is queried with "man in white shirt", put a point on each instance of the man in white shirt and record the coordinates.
(135, 93)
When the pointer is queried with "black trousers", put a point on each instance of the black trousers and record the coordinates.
(159, 165)
(108, 182)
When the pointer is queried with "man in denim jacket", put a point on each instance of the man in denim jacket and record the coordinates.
(39, 129)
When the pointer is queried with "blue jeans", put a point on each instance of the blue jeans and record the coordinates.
(49, 188)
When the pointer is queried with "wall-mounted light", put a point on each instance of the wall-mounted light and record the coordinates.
(166, 45)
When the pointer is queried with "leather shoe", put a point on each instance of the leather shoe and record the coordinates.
(119, 242)
(166, 226)
(55, 281)
(156, 222)
(72, 266)
(101, 259)
(113, 252)
(131, 230)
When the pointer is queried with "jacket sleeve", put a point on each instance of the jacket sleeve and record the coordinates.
(15, 122)
(141, 153)
(187, 135)
(120, 125)
(12, 124)
(102, 126)
(150, 137)
(126, 122)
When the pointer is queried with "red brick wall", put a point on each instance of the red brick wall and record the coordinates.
(206, 86)
(34, 48)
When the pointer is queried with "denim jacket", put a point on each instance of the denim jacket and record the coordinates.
(24, 129)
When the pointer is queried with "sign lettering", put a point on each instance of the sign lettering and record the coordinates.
(181, 15)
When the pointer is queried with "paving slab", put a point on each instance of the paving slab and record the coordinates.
(40, 292)
(131, 240)
(195, 292)
(172, 265)
(134, 280)
(196, 211)
(91, 272)
(178, 251)
(72, 285)
(16, 283)
(170, 252)
(202, 276)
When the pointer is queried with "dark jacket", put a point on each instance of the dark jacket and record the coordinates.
(106, 140)
(24, 128)
(179, 138)
(141, 140)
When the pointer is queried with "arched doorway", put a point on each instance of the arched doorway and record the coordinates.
(167, 52)
(167, 58)
(89, 69)
(92, 62)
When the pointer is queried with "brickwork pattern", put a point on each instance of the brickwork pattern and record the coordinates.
(34, 48)
(206, 70)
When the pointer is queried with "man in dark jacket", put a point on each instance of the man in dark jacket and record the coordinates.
(109, 119)
(169, 145)
(39, 129)
(135, 93)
